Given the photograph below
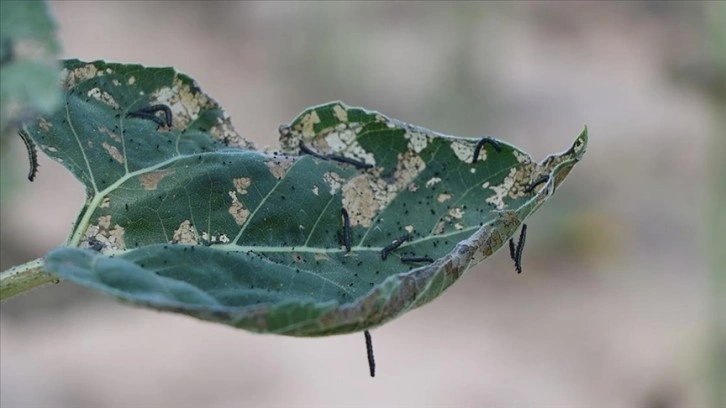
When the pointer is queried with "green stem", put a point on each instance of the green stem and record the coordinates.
(22, 278)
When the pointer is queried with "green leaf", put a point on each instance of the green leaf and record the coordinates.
(28, 65)
(191, 219)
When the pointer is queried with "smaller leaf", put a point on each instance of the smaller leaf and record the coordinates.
(28, 66)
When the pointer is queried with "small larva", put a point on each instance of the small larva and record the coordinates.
(395, 244)
(520, 248)
(516, 253)
(147, 116)
(537, 182)
(32, 154)
(416, 259)
(149, 112)
(481, 143)
(310, 151)
(369, 352)
(357, 163)
(346, 229)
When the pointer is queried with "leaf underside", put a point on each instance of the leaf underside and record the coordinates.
(191, 218)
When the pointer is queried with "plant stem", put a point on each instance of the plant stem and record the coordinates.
(22, 278)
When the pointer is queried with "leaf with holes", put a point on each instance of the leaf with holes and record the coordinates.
(329, 235)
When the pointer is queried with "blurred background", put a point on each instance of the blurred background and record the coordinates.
(619, 293)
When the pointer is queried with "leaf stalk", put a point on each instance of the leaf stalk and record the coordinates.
(22, 278)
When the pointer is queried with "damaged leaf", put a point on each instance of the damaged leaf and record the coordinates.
(190, 218)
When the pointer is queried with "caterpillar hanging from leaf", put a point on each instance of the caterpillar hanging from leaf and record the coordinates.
(32, 154)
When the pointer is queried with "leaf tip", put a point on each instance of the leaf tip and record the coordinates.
(580, 145)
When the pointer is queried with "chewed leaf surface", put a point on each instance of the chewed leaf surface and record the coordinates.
(190, 218)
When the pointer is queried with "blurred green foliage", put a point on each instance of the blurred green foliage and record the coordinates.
(28, 62)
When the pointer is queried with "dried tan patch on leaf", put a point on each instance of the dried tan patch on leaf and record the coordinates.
(359, 200)
(416, 141)
(524, 176)
(521, 157)
(225, 133)
(151, 180)
(103, 97)
(494, 238)
(340, 113)
(334, 181)
(464, 151)
(237, 210)
(110, 134)
(116, 237)
(321, 256)
(111, 239)
(501, 190)
(114, 152)
(70, 78)
(185, 104)
(185, 234)
(343, 140)
(279, 166)
(308, 123)
(456, 212)
(443, 197)
(409, 166)
(241, 184)
(105, 203)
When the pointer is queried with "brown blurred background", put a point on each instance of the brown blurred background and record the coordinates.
(612, 309)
